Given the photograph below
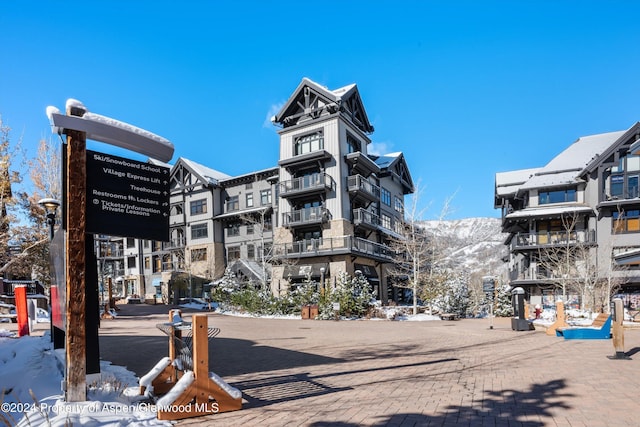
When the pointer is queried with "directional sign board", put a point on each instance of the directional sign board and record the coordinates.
(127, 198)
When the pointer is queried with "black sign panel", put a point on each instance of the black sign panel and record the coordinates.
(127, 198)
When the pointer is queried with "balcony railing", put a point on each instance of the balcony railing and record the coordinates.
(175, 243)
(308, 184)
(333, 245)
(364, 218)
(553, 238)
(306, 216)
(362, 190)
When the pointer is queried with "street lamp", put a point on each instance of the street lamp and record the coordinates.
(50, 206)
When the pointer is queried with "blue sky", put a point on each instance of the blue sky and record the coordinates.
(464, 89)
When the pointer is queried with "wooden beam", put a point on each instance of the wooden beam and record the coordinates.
(76, 390)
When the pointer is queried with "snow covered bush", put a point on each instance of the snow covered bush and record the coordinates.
(353, 293)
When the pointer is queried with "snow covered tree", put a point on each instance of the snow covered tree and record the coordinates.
(352, 293)
(502, 306)
(455, 295)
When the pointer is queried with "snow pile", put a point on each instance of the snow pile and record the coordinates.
(31, 378)
(230, 390)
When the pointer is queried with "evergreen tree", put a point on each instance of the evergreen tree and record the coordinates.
(502, 306)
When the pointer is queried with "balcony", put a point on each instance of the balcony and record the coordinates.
(362, 191)
(525, 241)
(307, 216)
(334, 246)
(174, 244)
(361, 164)
(304, 186)
(177, 219)
(304, 160)
(364, 218)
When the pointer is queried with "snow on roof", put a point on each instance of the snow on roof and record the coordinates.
(385, 160)
(565, 167)
(509, 182)
(205, 172)
(548, 211)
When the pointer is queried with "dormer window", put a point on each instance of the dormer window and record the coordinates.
(557, 196)
(309, 143)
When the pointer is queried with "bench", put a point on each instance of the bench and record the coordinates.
(448, 316)
(600, 329)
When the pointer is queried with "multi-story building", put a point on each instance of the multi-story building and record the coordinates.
(329, 206)
(587, 198)
(338, 206)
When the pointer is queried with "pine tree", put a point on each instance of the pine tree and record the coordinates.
(502, 306)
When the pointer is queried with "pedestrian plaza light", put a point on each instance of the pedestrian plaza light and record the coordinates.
(50, 206)
(110, 131)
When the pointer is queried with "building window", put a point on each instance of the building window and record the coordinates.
(147, 263)
(626, 222)
(251, 252)
(249, 200)
(131, 243)
(233, 253)
(157, 246)
(157, 264)
(268, 224)
(309, 143)
(385, 196)
(199, 231)
(131, 262)
(145, 244)
(249, 228)
(385, 221)
(353, 145)
(557, 196)
(198, 207)
(398, 205)
(233, 230)
(233, 204)
(265, 197)
(248, 186)
(198, 254)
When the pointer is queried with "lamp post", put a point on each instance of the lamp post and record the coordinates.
(50, 206)
(322, 270)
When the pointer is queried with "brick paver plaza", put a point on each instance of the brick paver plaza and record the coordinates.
(440, 373)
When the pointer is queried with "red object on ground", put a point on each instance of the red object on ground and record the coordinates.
(20, 293)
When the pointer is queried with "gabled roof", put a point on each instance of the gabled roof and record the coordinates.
(204, 174)
(630, 135)
(395, 164)
(566, 167)
(311, 100)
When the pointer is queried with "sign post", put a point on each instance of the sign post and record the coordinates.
(76, 262)
(81, 276)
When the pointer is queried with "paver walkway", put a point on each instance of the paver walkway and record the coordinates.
(439, 373)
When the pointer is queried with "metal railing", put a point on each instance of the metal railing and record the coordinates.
(360, 183)
(325, 246)
(552, 238)
(312, 215)
(362, 216)
(313, 182)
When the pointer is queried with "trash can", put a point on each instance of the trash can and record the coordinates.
(313, 311)
(305, 311)
(519, 321)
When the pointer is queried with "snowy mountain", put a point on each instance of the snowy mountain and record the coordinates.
(475, 245)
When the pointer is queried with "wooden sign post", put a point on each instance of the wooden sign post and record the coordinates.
(76, 173)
